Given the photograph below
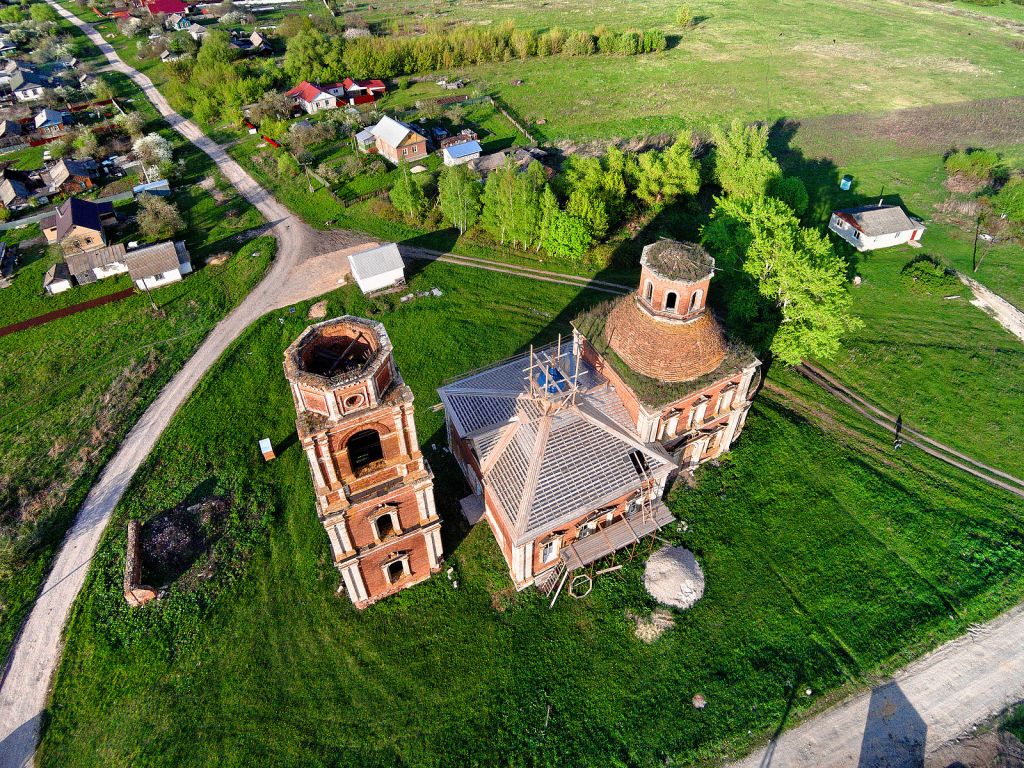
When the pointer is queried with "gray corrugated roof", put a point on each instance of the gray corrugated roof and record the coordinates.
(376, 261)
(548, 461)
(80, 262)
(155, 259)
(875, 220)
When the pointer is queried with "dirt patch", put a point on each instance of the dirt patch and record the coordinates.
(174, 543)
(962, 184)
(209, 185)
(318, 311)
(220, 258)
(651, 628)
(937, 128)
(994, 749)
(598, 148)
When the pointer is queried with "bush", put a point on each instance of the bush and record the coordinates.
(924, 274)
(978, 164)
(1010, 200)
(684, 16)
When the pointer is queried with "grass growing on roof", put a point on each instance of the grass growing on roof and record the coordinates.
(828, 561)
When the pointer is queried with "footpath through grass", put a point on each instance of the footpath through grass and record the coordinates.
(829, 559)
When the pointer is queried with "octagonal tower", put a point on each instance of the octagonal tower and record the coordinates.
(374, 490)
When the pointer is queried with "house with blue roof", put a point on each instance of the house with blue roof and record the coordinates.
(461, 153)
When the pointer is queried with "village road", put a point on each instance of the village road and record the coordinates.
(928, 704)
(37, 649)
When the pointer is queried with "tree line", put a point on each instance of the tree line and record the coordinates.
(322, 54)
(781, 286)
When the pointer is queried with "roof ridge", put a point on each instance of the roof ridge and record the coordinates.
(533, 473)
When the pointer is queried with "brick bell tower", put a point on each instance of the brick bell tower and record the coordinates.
(374, 490)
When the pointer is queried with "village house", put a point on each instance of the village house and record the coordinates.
(50, 123)
(178, 21)
(395, 140)
(79, 225)
(464, 152)
(312, 98)
(374, 490)
(70, 177)
(26, 85)
(197, 32)
(378, 268)
(250, 45)
(869, 227)
(568, 449)
(10, 129)
(356, 92)
(14, 193)
(462, 137)
(166, 7)
(156, 265)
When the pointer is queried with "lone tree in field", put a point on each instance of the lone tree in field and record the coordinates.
(782, 282)
(158, 218)
(458, 194)
(407, 196)
(743, 165)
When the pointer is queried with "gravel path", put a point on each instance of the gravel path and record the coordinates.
(935, 700)
(1002, 311)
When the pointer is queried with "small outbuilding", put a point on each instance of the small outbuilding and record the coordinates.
(458, 154)
(378, 268)
(57, 279)
(870, 227)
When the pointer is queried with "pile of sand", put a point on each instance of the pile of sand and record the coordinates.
(673, 577)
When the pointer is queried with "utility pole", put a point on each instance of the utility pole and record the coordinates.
(974, 256)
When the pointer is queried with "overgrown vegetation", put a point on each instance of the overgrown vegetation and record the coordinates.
(925, 274)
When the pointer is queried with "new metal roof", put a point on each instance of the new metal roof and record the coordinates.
(391, 132)
(465, 149)
(376, 261)
(549, 457)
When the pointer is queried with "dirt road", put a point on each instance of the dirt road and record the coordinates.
(926, 705)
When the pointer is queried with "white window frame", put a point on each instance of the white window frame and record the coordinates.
(386, 510)
(385, 567)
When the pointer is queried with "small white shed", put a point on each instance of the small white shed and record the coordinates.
(458, 154)
(378, 268)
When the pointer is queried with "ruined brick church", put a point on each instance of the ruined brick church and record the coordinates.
(568, 449)
(374, 490)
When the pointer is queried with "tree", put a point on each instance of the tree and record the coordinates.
(85, 144)
(42, 12)
(158, 218)
(525, 219)
(1010, 200)
(458, 194)
(272, 104)
(153, 151)
(498, 200)
(566, 236)
(661, 177)
(312, 55)
(588, 206)
(743, 165)
(781, 281)
(11, 15)
(791, 191)
(406, 195)
(131, 123)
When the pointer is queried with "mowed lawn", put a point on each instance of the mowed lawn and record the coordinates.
(753, 59)
(827, 563)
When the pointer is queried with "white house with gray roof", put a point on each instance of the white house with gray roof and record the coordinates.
(378, 268)
(870, 227)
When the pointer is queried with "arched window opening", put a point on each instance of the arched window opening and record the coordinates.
(365, 451)
(695, 300)
(649, 291)
(396, 571)
(670, 301)
(385, 526)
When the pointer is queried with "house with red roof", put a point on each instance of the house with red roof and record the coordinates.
(312, 98)
(166, 7)
(361, 91)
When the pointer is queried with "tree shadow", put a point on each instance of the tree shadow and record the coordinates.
(894, 734)
(412, 249)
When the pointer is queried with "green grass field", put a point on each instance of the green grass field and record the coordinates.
(829, 560)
